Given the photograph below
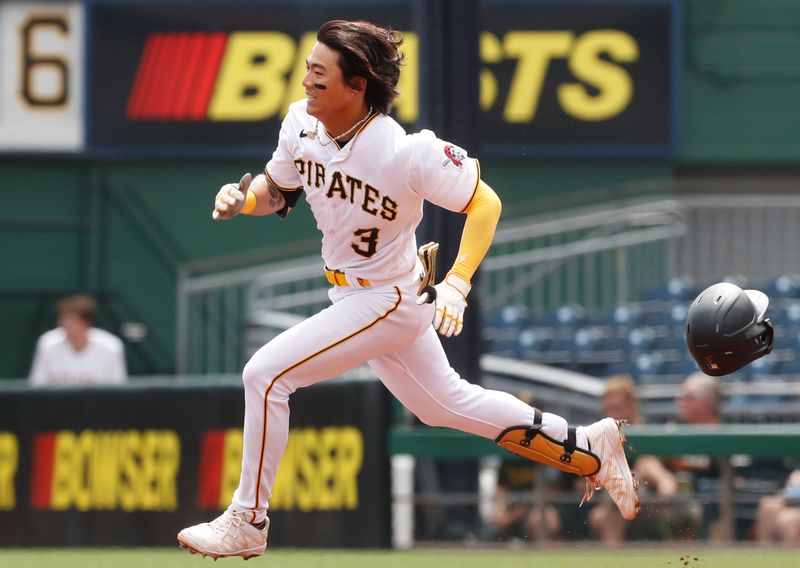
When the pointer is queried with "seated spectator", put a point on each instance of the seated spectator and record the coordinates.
(699, 404)
(699, 400)
(778, 517)
(515, 515)
(76, 352)
(620, 401)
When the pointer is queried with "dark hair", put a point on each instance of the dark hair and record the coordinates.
(81, 304)
(369, 51)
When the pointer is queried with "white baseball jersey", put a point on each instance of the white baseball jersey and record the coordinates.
(56, 362)
(367, 197)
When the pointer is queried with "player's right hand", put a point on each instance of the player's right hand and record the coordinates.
(230, 199)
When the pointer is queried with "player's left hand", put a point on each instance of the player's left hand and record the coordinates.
(450, 297)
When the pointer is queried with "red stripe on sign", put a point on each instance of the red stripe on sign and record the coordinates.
(159, 100)
(178, 57)
(191, 68)
(206, 78)
(143, 73)
(150, 88)
(176, 76)
(210, 474)
(156, 80)
(44, 446)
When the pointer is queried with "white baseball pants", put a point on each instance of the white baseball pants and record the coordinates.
(386, 328)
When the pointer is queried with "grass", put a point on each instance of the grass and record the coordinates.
(686, 557)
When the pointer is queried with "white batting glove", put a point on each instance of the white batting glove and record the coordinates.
(230, 198)
(450, 298)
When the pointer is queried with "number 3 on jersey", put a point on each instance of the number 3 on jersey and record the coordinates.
(370, 239)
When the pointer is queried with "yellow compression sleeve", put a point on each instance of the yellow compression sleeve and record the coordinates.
(483, 213)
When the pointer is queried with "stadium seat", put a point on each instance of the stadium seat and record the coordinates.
(501, 341)
(545, 345)
(767, 366)
(784, 286)
(501, 330)
(671, 342)
(790, 369)
(678, 312)
(642, 339)
(508, 316)
(788, 314)
(594, 345)
(533, 339)
(571, 315)
(621, 368)
(682, 368)
(627, 314)
(651, 367)
(677, 288)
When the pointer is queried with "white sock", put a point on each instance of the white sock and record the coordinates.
(556, 427)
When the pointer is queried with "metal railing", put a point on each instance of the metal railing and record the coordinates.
(596, 257)
(213, 309)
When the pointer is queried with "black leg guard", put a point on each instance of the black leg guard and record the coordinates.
(529, 442)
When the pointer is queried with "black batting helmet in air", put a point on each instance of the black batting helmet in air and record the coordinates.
(726, 328)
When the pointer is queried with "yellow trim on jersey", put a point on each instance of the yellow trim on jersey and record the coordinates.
(366, 123)
(483, 213)
(265, 427)
(474, 189)
(332, 139)
(279, 186)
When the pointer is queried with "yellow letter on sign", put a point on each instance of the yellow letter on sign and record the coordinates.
(252, 78)
(9, 455)
(533, 51)
(614, 85)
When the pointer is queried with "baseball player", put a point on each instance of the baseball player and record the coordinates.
(365, 180)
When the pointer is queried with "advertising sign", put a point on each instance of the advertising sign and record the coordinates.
(557, 78)
(133, 466)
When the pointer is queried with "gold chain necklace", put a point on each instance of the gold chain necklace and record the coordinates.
(343, 134)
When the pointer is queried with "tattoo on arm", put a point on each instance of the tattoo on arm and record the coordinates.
(275, 196)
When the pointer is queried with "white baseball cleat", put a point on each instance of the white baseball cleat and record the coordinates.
(607, 443)
(227, 535)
